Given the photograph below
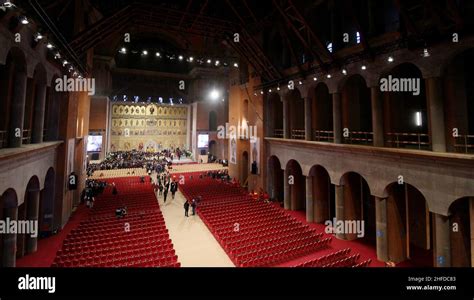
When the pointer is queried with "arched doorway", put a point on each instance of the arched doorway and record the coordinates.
(460, 219)
(405, 113)
(296, 115)
(8, 210)
(28, 211)
(275, 179)
(297, 185)
(357, 111)
(323, 195)
(359, 205)
(12, 98)
(459, 103)
(244, 167)
(275, 116)
(409, 226)
(46, 206)
(322, 114)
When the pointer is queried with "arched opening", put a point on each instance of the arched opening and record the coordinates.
(322, 114)
(275, 116)
(357, 111)
(409, 226)
(8, 210)
(212, 121)
(297, 185)
(359, 205)
(12, 98)
(213, 149)
(324, 207)
(52, 112)
(459, 103)
(460, 219)
(405, 108)
(275, 179)
(244, 168)
(46, 205)
(28, 211)
(296, 115)
(33, 123)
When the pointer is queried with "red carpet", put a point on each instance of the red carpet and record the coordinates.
(48, 247)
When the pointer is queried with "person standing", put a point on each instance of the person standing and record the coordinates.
(193, 205)
(165, 193)
(173, 189)
(186, 209)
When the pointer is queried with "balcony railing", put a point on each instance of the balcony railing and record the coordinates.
(360, 138)
(323, 136)
(26, 137)
(464, 144)
(278, 133)
(298, 134)
(420, 141)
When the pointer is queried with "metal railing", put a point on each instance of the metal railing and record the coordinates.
(420, 141)
(464, 143)
(26, 137)
(323, 136)
(298, 134)
(359, 137)
(278, 133)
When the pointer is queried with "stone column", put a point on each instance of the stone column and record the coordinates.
(38, 119)
(308, 131)
(286, 189)
(381, 228)
(286, 118)
(32, 215)
(434, 96)
(337, 117)
(9, 240)
(340, 208)
(15, 130)
(309, 199)
(377, 116)
(442, 245)
(471, 218)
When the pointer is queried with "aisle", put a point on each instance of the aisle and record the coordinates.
(193, 242)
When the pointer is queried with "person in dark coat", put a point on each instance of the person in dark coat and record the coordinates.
(186, 208)
(173, 189)
(165, 193)
(114, 189)
(193, 205)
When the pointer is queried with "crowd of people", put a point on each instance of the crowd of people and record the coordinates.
(92, 189)
(152, 161)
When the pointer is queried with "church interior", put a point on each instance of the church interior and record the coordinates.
(270, 133)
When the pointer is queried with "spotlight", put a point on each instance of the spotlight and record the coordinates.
(209, 61)
(315, 78)
(390, 59)
(270, 90)
(278, 88)
(191, 59)
(38, 36)
(160, 99)
(300, 83)
(426, 53)
(328, 76)
(80, 77)
(180, 57)
(49, 46)
(214, 94)
(158, 54)
(217, 62)
(123, 50)
(65, 62)
(236, 65)
(7, 4)
(261, 92)
(344, 71)
(24, 20)
(363, 67)
(145, 52)
(57, 55)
